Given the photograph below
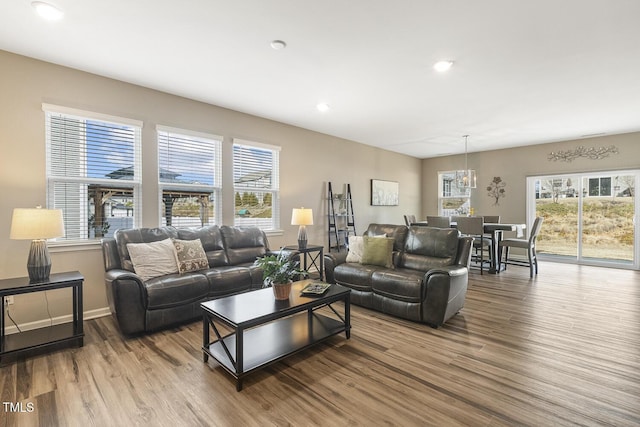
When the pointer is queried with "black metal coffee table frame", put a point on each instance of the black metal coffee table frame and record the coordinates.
(266, 330)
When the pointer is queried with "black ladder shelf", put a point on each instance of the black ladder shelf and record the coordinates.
(341, 220)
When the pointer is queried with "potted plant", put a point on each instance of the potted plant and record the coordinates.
(279, 272)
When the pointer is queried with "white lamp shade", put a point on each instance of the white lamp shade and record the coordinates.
(302, 216)
(36, 223)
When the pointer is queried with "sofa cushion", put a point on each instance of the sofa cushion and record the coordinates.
(378, 251)
(400, 284)
(226, 280)
(176, 289)
(354, 275)
(429, 247)
(211, 239)
(244, 244)
(139, 235)
(190, 255)
(153, 259)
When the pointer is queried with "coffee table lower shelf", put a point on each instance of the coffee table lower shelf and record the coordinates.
(271, 342)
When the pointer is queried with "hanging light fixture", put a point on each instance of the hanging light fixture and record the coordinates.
(466, 178)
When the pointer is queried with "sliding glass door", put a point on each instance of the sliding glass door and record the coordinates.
(589, 218)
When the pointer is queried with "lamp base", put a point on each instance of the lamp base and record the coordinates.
(302, 237)
(39, 262)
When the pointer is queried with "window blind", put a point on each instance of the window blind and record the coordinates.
(256, 185)
(93, 173)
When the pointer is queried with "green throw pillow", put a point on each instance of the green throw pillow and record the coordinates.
(378, 251)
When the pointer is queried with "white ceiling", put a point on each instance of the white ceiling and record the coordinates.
(525, 72)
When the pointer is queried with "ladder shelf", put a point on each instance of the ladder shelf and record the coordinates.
(341, 218)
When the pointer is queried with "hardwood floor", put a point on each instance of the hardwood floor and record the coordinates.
(560, 349)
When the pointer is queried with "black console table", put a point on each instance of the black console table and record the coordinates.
(316, 260)
(42, 338)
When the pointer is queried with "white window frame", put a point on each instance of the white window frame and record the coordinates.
(450, 191)
(274, 190)
(599, 178)
(72, 234)
(215, 189)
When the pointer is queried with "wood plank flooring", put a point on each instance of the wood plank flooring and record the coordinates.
(560, 349)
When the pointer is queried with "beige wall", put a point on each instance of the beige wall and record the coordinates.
(308, 161)
(514, 165)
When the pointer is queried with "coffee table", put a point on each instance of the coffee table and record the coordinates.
(265, 330)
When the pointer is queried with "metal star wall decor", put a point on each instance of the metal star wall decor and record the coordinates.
(592, 153)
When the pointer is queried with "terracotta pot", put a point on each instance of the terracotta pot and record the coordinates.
(281, 290)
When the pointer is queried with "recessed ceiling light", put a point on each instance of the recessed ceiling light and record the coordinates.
(47, 11)
(278, 45)
(323, 107)
(442, 66)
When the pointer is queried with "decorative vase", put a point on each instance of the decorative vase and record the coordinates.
(281, 290)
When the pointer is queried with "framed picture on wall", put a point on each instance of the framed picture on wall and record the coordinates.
(384, 193)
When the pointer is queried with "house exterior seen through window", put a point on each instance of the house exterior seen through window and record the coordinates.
(190, 177)
(452, 200)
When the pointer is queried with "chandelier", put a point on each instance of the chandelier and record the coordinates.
(466, 178)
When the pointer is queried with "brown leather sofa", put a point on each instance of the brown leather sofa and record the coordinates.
(428, 281)
(143, 306)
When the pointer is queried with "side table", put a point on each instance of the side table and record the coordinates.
(42, 338)
(316, 260)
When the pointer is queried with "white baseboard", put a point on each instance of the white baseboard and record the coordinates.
(91, 314)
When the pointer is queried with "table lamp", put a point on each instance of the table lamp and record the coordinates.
(37, 225)
(302, 217)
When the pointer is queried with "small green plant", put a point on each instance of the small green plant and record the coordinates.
(279, 269)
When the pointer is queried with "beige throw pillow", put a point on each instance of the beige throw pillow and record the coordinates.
(153, 259)
(190, 255)
(356, 246)
(378, 251)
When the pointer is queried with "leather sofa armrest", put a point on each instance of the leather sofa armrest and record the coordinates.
(444, 293)
(331, 261)
(449, 270)
(127, 298)
(290, 254)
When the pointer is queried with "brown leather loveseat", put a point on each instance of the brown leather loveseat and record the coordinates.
(427, 281)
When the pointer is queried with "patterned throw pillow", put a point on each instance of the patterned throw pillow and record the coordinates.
(153, 259)
(190, 255)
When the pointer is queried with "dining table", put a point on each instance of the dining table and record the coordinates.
(495, 230)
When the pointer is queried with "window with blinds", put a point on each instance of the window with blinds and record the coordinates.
(190, 177)
(93, 171)
(256, 185)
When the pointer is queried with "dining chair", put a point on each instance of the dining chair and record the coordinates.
(494, 219)
(439, 221)
(473, 226)
(409, 219)
(528, 244)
